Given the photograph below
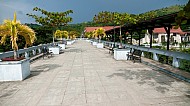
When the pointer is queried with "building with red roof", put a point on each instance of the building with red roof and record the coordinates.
(160, 35)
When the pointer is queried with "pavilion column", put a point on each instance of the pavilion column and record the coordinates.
(114, 34)
(167, 29)
(106, 37)
(112, 37)
(139, 33)
(125, 38)
(131, 42)
(150, 31)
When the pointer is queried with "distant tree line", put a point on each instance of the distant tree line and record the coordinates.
(44, 32)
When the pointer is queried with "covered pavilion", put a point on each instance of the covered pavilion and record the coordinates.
(166, 21)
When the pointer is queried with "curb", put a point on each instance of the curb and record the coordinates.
(168, 72)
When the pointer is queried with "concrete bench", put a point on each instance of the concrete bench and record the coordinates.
(110, 49)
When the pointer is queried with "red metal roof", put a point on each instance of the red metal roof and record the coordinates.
(162, 30)
(106, 28)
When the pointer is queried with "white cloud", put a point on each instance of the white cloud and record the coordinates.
(7, 8)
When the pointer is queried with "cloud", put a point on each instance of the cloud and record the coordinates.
(20, 12)
(7, 8)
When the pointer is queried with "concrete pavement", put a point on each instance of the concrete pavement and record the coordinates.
(86, 76)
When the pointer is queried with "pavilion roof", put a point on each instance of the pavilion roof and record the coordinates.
(106, 28)
(158, 22)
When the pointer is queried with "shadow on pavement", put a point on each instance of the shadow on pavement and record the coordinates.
(149, 77)
(42, 68)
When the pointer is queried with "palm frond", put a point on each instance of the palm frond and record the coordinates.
(27, 33)
(65, 34)
(4, 30)
(3, 39)
(57, 34)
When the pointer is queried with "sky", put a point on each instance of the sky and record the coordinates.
(84, 10)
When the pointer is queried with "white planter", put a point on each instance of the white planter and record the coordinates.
(88, 40)
(54, 50)
(94, 43)
(73, 41)
(62, 46)
(69, 42)
(120, 54)
(100, 45)
(14, 70)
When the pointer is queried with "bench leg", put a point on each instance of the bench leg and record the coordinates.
(127, 57)
(43, 55)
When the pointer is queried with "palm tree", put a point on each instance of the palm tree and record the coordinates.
(73, 34)
(89, 34)
(61, 34)
(100, 32)
(14, 28)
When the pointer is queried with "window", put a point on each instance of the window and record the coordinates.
(163, 38)
(174, 34)
(155, 36)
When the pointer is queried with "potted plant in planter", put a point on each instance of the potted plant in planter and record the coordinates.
(16, 68)
(100, 32)
(72, 35)
(61, 34)
(94, 43)
(88, 35)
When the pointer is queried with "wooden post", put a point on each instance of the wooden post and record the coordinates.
(139, 33)
(131, 42)
(150, 31)
(125, 38)
(167, 29)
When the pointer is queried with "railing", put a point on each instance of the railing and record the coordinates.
(28, 52)
(176, 55)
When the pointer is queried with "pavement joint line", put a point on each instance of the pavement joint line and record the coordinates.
(43, 89)
(84, 78)
(88, 76)
(68, 80)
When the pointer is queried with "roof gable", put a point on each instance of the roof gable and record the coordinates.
(162, 30)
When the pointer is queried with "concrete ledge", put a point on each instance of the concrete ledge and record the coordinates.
(172, 71)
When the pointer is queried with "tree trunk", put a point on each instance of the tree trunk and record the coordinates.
(15, 54)
(99, 38)
(53, 37)
(120, 38)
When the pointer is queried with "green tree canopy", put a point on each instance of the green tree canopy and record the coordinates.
(52, 19)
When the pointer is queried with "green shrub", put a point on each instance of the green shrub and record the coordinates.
(165, 59)
(148, 55)
(185, 65)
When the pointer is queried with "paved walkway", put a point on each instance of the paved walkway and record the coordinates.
(87, 76)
